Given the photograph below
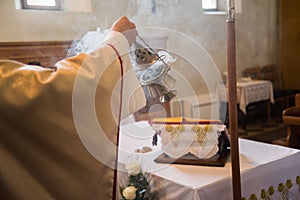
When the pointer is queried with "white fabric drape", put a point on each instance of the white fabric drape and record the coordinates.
(42, 154)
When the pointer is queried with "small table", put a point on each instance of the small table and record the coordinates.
(262, 166)
(250, 92)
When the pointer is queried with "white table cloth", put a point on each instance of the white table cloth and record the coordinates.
(249, 92)
(262, 166)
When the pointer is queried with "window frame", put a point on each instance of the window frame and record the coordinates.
(212, 8)
(40, 7)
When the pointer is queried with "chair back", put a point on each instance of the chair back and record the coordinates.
(253, 72)
(297, 100)
(291, 118)
(268, 72)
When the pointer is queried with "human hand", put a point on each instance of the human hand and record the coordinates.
(127, 28)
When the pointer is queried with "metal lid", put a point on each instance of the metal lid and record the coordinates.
(154, 73)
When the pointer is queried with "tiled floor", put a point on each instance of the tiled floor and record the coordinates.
(264, 132)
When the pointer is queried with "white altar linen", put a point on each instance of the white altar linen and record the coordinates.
(262, 166)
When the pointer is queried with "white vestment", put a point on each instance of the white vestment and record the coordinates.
(58, 127)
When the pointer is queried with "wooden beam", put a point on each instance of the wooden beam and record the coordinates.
(45, 52)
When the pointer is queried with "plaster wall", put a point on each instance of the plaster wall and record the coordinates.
(256, 31)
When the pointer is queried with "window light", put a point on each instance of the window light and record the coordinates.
(41, 4)
(209, 4)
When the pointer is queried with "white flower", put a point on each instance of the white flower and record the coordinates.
(129, 193)
(133, 168)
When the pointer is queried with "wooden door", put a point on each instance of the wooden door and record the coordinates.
(290, 43)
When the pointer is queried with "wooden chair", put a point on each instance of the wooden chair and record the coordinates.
(284, 96)
(291, 118)
(253, 72)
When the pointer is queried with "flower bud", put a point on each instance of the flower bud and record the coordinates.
(133, 168)
(129, 193)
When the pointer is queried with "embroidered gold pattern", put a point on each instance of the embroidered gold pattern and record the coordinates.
(201, 133)
(175, 133)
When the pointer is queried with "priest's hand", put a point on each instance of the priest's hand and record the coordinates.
(127, 28)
